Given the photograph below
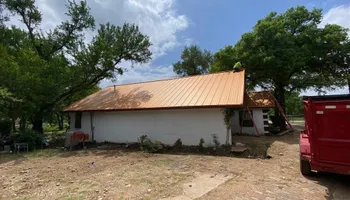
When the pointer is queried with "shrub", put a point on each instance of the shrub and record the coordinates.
(201, 143)
(177, 144)
(5, 127)
(148, 146)
(33, 138)
(216, 140)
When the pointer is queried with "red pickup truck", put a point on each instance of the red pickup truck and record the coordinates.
(325, 142)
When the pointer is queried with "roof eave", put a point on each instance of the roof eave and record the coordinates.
(159, 108)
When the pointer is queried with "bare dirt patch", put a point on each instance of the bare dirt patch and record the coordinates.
(134, 175)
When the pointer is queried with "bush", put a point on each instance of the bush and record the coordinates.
(148, 146)
(33, 138)
(201, 143)
(5, 127)
(178, 144)
(216, 140)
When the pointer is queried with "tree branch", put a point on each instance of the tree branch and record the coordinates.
(30, 30)
(66, 38)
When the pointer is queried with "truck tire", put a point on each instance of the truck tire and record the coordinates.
(305, 168)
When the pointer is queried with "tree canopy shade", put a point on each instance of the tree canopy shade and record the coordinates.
(194, 61)
(289, 52)
(47, 69)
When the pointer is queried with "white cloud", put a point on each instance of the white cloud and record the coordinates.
(156, 18)
(188, 41)
(338, 15)
(142, 73)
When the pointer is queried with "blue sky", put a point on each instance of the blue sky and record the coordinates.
(214, 24)
(172, 24)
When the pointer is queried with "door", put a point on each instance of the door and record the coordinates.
(332, 135)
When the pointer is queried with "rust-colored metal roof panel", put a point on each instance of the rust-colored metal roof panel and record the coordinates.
(210, 90)
(262, 99)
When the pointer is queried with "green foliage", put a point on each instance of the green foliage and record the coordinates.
(201, 143)
(194, 61)
(290, 52)
(33, 138)
(6, 99)
(294, 104)
(55, 68)
(228, 113)
(5, 127)
(224, 59)
(148, 146)
(216, 140)
(177, 144)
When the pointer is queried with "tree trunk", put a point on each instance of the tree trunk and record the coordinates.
(59, 121)
(280, 122)
(13, 124)
(38, 123)
(22, 124)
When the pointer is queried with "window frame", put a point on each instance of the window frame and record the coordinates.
(77, 118)
(247, 122)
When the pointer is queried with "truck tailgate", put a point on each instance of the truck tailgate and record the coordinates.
(332, 141)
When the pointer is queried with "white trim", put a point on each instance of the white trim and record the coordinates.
(319, 112)
(330, 107)
(347, 106)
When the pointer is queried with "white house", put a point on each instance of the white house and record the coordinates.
(189, 108)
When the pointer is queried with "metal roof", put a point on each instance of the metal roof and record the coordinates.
(262, 99)
(210, 90)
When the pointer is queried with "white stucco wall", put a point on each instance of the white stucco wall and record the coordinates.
(85, 123)
(164, 125)
(258, 119)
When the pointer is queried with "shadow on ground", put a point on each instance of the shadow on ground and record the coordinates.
(337, 184)
(290, 138)
(17, 158)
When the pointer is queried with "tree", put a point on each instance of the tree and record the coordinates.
(58, 64)
(224, 60)
(57, 114)
(347, 45)
(289, 52)
(228, 114)
(294, 104)
(194, 61)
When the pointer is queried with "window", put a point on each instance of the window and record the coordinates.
(78, 119)
(247, 122)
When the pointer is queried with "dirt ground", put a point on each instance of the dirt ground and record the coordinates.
(116, 174)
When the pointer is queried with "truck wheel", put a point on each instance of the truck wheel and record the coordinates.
(305, 168)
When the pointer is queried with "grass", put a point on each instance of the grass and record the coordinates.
(44, 153)
(31, 154)
(66, 197)
(296, 119)
(53, 130)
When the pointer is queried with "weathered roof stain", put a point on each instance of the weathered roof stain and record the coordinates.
(224, 89)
